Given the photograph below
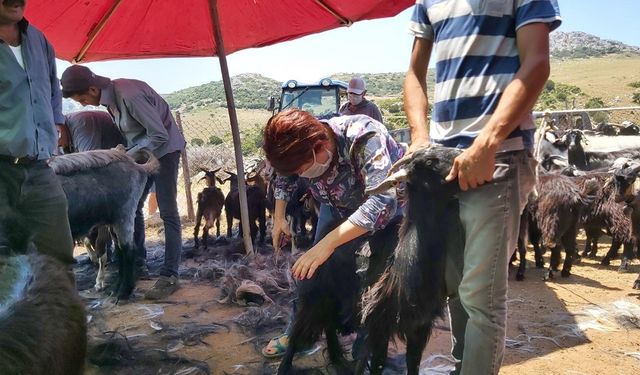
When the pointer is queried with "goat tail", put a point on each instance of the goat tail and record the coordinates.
(151, 164)
(380, 306)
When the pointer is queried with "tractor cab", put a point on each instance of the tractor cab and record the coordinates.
(321, 99)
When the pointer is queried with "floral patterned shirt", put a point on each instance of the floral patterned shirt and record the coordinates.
(366, 152)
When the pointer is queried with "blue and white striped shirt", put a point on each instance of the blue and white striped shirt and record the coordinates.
(476, 57)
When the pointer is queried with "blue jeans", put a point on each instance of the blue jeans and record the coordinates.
(477, 264)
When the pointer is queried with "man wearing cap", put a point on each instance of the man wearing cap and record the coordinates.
(31, 106)
(357, 104)
(144, 118)
(88, 130)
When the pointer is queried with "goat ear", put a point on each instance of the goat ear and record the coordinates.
(221, 181)
(216, 170)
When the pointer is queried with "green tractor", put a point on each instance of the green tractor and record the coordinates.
(321, 99)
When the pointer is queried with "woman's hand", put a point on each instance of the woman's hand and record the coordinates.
(280, 228)
(309, 262)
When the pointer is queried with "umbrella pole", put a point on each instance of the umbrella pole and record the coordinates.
(235, 132)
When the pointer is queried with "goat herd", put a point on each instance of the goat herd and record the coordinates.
(580, 185)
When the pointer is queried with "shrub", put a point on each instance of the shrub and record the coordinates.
(215, 140)
(197, 142)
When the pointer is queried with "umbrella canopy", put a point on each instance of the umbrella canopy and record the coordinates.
(94, 30)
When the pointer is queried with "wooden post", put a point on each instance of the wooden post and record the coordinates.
(235, 131)
(185, 173)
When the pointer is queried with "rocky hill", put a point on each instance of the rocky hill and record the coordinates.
(577, 44)
(249, 91)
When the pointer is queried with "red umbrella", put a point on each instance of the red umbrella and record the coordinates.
(93, 30)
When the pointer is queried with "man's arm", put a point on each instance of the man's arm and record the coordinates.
(56, 92)
(416, 103)
(475, 165)
(141, 109)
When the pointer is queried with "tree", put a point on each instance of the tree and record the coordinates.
(636, 97)
(197, 142)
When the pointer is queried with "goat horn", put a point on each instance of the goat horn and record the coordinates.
(389, 182)
(404, 160)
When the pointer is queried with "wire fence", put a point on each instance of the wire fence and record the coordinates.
(210, 146)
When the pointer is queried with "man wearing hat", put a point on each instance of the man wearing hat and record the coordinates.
(357, 104)
(31, 104)
(144, 118)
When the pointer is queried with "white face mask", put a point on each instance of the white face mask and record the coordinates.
(317, 169)
(354, 99)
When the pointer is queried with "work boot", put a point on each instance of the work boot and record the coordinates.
(163, 288)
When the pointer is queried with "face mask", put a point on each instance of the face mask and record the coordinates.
(317, 169)
(354, 99)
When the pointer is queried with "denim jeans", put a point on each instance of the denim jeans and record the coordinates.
(477, 264)
(35, 193)
(166, 192)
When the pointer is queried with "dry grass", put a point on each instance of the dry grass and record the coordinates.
(607, 77)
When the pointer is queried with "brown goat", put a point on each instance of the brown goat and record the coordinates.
(210, 203)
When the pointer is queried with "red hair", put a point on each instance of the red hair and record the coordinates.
(290, 137)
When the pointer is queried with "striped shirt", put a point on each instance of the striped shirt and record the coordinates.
(476, 57)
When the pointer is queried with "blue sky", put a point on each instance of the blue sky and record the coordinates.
(367, 47)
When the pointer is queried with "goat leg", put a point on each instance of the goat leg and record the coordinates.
(416, 342)
(611, 254)
(335, 351)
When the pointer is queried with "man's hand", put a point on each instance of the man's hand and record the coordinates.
(309, 262)
(416, 145)
(473, 167)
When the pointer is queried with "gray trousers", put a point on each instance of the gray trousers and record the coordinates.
(166, 192)
(34, 192)
(477, 264)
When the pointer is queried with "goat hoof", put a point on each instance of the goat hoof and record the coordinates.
(565, 273)
(540, 264)
(548, 275)
(636, 284)
(624, 266)
(519, 276)
(605, 261)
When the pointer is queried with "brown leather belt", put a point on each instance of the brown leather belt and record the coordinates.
(27, 160)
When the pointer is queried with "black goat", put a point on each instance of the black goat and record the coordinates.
(411, 292)
(104, 187)
(256, 202)
(627, 185)
(42, 320)
(301, 208)
(528, 228)
(559, 151)
(558, 210)
(210, 202)
(328, 302)
(605, 214)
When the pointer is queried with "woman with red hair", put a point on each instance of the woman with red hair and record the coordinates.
(340, 157)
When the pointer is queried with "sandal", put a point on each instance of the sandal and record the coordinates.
(276, 346)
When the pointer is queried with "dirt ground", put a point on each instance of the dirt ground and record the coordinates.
(588, 323)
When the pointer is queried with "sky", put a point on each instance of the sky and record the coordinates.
(376, 46)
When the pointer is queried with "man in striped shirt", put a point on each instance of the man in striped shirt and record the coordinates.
(492, 60)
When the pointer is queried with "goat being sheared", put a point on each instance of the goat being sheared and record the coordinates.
(103, 187)
(411, 293)
(42, 319)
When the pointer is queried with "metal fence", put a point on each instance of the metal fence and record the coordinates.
(209, 146)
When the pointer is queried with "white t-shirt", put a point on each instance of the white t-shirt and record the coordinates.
(17, 51)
